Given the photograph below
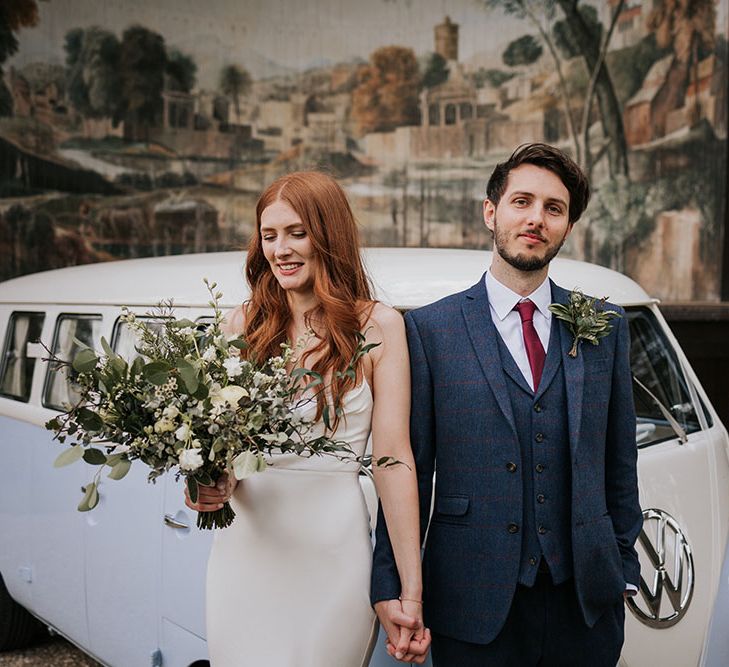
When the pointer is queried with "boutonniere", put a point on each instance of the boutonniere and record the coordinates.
(586, 318)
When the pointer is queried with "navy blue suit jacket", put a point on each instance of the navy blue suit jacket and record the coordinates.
(462, 424)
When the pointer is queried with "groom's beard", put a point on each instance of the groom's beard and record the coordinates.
(520, 261)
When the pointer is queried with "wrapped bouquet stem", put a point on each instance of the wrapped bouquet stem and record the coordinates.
(188, 402)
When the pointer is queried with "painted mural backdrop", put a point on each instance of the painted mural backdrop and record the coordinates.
(134, 128)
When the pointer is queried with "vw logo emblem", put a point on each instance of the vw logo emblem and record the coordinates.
(667, 572)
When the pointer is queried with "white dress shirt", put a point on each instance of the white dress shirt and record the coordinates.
(508, 322)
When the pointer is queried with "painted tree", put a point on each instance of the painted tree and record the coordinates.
(593, 52)
(524, 50)
(234, 82)
(690, 28)
(142, 65)
(541, 16)
(14, 15)
(435, 71)
(386, 96)
(585, 42)
(92, 72)
(180, 72)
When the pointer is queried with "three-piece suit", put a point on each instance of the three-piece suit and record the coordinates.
(524, 480)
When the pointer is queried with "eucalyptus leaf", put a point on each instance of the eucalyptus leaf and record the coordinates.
(183, 324)
(89, 420)
(157, 372)
(94, 457)
(90, 499)
(325, 417)
(188, 374)
(192, 489)
(238, 343)
(120, 469)
(85, 361)
(68, 456)
(107, 348)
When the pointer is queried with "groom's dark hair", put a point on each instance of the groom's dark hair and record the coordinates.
(547, 157)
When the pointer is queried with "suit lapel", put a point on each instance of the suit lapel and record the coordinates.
(484, 339)
(574, 373)
(553, 359)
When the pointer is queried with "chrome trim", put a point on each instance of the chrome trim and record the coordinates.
(174, 523)
(670, 569)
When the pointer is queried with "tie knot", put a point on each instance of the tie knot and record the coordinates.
(526, 310)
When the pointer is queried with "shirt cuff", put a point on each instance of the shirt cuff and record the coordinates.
(631, 589)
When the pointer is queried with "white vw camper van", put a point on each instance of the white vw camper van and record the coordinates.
(125, 582)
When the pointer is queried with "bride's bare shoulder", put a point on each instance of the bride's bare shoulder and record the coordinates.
(235, 321)
(383, 322)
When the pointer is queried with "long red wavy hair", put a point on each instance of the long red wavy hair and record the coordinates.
(341, 285)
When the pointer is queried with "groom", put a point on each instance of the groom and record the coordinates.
(529, 552)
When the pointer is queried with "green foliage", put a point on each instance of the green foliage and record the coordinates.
(586, 318)
(6, 99)
(435, 72)
(492, 77)
(564, 38)
(181, 71)
(629, 66)
(524, 50)
(90, 498)
(93, 79)
(235, 81)
(142, 64)
(67, 456)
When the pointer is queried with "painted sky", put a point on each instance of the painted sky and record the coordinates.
(271, 36)
(295, 34)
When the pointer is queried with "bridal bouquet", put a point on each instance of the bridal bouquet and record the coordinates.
(188, 402)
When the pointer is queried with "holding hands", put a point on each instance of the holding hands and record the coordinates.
(407, 639)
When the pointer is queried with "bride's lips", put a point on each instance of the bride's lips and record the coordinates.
(289, 268)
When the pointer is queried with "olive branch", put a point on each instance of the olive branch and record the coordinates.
(586, 318)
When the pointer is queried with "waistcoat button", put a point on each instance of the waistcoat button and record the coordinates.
(511, 466)
(539, 437)
(539, 467)
(512, 528)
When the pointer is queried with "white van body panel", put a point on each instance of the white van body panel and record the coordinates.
(122, 583)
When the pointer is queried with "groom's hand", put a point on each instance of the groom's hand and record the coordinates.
(407, 640)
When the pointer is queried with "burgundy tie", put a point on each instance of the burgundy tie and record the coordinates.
(534, 349)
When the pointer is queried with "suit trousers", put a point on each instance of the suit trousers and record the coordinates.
(544, 627)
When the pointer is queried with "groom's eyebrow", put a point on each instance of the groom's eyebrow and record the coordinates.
(531, 195)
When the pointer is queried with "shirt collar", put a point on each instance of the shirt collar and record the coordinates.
(502, 299)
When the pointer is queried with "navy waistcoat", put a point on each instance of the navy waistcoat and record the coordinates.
(542, 429)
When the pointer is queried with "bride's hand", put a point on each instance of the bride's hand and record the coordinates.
(211, 498)
(414, 641)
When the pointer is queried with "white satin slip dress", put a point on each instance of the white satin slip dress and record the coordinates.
(288, 582)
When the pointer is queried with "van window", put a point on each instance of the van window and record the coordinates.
(124, 341)
(72, 333)
(655, 364)
(18, 365)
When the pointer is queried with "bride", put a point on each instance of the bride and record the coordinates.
(288, 581)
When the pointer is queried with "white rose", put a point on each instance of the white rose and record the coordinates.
(183, 433)
(233, 367)
(209, 354)
(230, 394)
(190, 459)
(163, 425)
(170, 412)
(247, 463)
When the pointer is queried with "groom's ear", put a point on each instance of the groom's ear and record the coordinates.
(489, 213)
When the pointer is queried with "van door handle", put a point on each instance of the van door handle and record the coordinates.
(174, 523)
